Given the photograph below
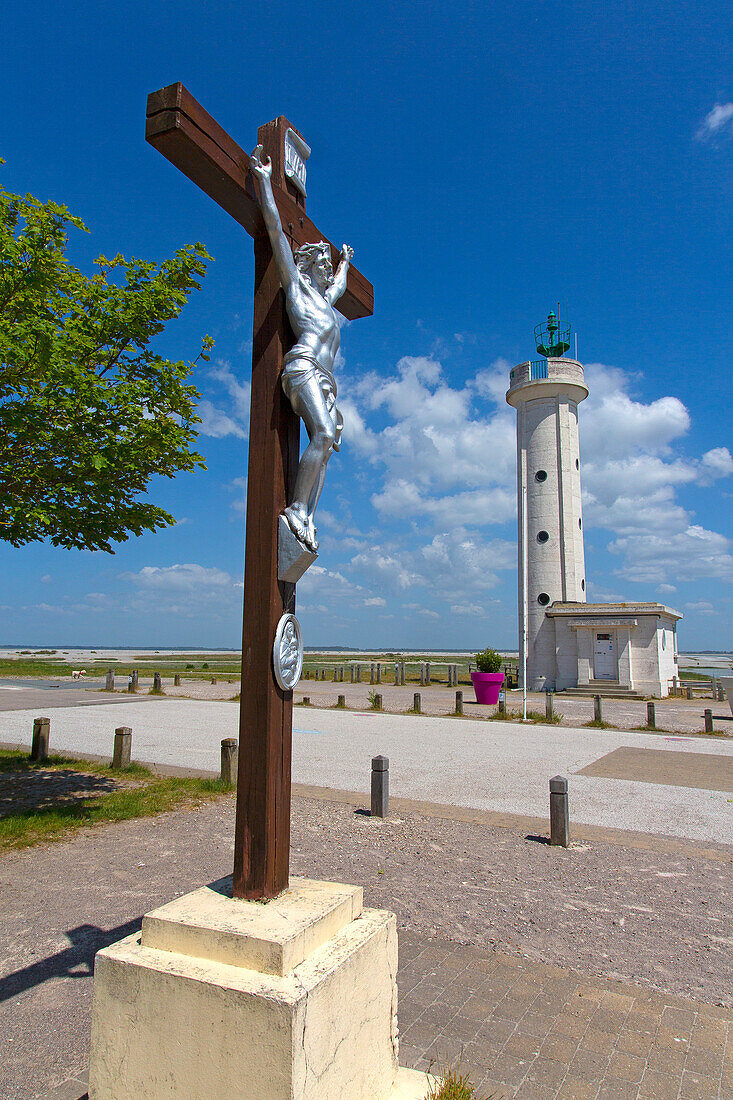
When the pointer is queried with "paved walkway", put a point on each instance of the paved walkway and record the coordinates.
(489, 921)
(498, 766)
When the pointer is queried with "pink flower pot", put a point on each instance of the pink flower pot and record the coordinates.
(487, 686)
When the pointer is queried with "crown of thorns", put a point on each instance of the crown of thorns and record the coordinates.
(309, 253)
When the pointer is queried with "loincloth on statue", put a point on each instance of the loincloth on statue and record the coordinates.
(299, 368)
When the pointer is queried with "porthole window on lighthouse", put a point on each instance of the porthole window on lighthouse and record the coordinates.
(582, 585)
(580, 522)
(577, 464)
(543, 599)
(541, 475)
(542, 536)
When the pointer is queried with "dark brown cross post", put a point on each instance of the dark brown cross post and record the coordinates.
(189, 137)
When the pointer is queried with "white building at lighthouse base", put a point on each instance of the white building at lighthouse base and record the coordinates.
(626, 647)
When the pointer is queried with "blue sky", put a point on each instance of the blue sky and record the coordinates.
(485, 161)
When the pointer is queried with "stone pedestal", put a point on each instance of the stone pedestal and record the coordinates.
(220, 998)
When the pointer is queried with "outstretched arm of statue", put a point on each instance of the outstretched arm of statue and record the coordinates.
(338, 286)
(271, 215)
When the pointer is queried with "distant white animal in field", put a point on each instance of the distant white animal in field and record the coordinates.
(78, 674)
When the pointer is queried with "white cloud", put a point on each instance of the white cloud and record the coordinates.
(702, 607)
(714, 464)
(468, 610)
(613, 425)
(717, 121)
(375, 601)
(234, 421)
(683, 555)
(180, 578)
(216, 423)
(666, 589)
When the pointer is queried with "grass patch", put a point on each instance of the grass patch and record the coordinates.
(453, 1085)
(599, 725)
(86, 802)
(537, 716)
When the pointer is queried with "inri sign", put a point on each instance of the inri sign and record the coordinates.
(296, 154)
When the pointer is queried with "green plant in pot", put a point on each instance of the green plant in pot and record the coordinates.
(488, 677)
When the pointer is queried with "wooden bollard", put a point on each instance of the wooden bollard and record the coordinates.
(213, 679)
(688, 692)
(377, 702)
(380, 786)
(402, 674)
(396, 674)
(502, 703)
(122, 748)
(341, 701)
(597, 709)
(422, 673)
(549, 706)
(229, 760)
(134, 679)
(708, 720)
(651, 716)
(372, 674)
(41, 737)
(177, 680)
(427, 672)
(417, 703)
(379, 673)
(157, 684)
(306, 700)
(559, 812)
(352, 673)
(109, 683)
(459, 702)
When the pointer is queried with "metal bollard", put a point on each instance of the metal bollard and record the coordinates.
(549, 706)
(229, 760)
(597, 709)
(122, 748)
(651, 716)
(417, 703)
(708, 721)
(459, 702)
(41, 737)
(109, 683)
(380, 786)
(559, 812)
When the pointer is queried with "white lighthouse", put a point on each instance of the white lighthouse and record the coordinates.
(571, 645)
(546, 394)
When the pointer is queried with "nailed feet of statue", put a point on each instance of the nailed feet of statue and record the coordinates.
(294, 556)
(302, 526)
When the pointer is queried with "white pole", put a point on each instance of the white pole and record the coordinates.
(524, 596)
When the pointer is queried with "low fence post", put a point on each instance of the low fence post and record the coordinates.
(41, 737)
(559, 812)
(109, 683)
(341, 702)
(708, 721)
(417, 703)
(378, 702)
(122, 751)
(229, 760)
(380, 786)
(157, 684)
(597, 709)
(177, 680)
(651, 716)
(549, 706)
(459, 702)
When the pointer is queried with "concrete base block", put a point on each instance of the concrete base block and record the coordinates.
(217, 998)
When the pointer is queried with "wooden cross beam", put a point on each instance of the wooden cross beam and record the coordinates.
(191, 139)
(179, 128)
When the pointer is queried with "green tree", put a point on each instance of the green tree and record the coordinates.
(89, 413)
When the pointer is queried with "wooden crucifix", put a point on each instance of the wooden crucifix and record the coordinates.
(194, 142)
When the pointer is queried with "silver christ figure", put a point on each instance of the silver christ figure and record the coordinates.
(311, 289)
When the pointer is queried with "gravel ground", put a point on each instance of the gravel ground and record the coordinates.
(677, 715)
(653, 910)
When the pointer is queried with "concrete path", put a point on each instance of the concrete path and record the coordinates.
(496, 766)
